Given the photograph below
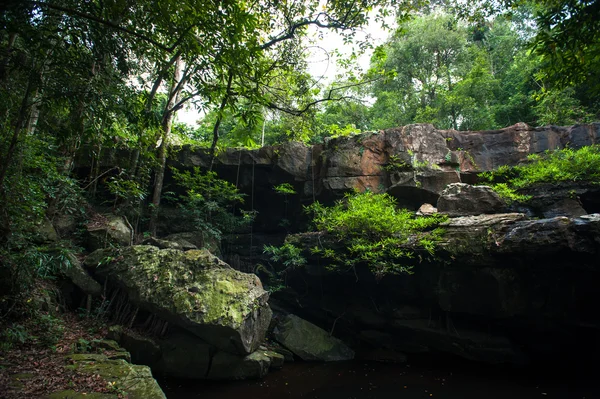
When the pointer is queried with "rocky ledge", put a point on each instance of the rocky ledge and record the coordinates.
(502, 289)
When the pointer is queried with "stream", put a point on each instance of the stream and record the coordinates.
(370, 380)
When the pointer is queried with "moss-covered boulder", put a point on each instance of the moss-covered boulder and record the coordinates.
(192, 289)
(135, 380)
(310, 342)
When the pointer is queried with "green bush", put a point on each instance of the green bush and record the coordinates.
(556, 166)
(375, 233)
(209, 203)
(288, 254)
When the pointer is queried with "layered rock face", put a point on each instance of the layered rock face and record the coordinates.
(503, 289)
(414, 163)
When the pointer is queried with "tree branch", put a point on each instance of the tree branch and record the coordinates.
(291, 30)
(103, 22)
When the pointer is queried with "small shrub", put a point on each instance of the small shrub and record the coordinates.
(13, 335)
(284, 189)
(375, 232)
(288, 254)
(395, 164)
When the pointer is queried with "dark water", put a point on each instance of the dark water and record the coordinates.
(364, 380)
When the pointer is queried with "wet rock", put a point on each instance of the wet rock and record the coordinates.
(107, 344)
(195, 240)
(565, 207)
(571, 199)
(367, 316)
(114, 333)
(65, 225)
(120, 355)
(193, 290)
(143, 350)
(460, 199)
(277, 359)
(500, 292)
(310, 342)
(226, 366)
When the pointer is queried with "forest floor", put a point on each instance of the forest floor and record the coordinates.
(35, 363)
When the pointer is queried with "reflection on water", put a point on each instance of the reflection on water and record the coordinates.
(364, 380)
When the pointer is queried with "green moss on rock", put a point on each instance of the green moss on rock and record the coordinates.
(70, 394)
(192, 289)
(136, 380)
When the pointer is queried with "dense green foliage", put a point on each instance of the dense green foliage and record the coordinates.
(564, 165)
(93, 78)
(471, 76)
(374, 232)
(96, 77)
(209, 203)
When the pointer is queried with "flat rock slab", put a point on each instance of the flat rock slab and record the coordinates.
(136, 380)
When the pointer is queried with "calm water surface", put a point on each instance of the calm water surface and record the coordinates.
(364, 380)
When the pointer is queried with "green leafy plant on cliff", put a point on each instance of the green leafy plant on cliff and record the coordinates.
(288, 254)
(396, 164)
(564, 165)
(209, 202)
(374, 232)
(285, 190)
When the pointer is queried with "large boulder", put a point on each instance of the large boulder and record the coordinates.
(80, 277)
(194, 240)
(192, 289)
(45, 232)
(460, 199)
(108, 230)
(309, 342)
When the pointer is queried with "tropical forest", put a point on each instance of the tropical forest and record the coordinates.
(341, 199)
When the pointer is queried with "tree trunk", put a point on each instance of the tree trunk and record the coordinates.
(166, 125)
(213, 146)
(18, 127)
